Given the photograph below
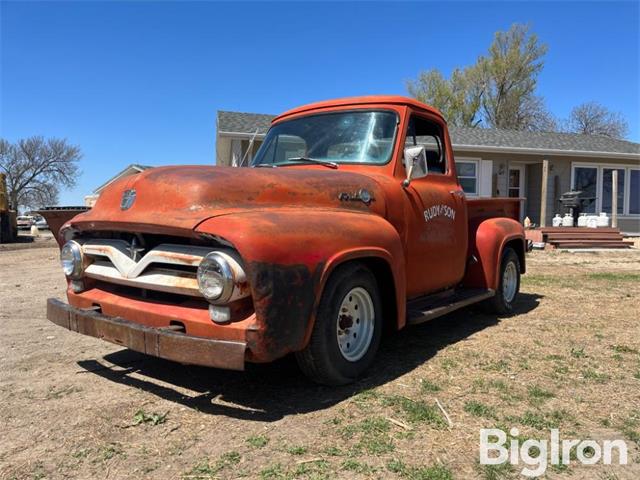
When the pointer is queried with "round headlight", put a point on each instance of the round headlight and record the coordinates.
(71, 259)
(215, 278)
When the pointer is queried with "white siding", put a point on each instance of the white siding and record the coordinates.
(485, 180)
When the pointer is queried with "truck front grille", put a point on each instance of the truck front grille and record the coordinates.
(169, 268)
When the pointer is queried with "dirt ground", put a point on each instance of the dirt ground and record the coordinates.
(76, 407)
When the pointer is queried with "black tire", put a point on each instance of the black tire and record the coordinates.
(498, 304)
(322, 360)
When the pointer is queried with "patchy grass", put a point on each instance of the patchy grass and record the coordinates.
(109, 451)
(630, 427)
(142, 417)
(535, 419)
(297, 450)
(435, 472)
(258, 441)
(56, 393)
(449, 364)
(372, 434)
(312, 468)
(496, 472)
(497, 366)
(497, 388)
(578, 352)
(416, 411)
(207, 470)
(563, 281)
(276, 471)
(332, 451)
(352, 465)
(614, 276)
(538, 395)
(478, 409)
(428, 387)
(624, 349)
(595, 376)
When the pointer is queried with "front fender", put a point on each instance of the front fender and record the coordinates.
(289, 253)
(487, 244)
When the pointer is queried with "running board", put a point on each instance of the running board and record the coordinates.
(433, 306)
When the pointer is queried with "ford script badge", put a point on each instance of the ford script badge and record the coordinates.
(128, 197)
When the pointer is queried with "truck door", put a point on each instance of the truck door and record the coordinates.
(437, 227)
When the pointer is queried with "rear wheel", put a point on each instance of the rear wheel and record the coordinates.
(347, 331)
(509, 285)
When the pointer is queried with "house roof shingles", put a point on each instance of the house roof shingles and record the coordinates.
(540, 140)
(248, 123)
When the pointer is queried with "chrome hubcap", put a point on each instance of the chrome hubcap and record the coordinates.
(510, 282)
(355, 324)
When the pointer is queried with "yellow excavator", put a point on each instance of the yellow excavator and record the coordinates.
(8, 217)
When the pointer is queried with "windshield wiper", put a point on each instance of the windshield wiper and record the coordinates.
(325, 163)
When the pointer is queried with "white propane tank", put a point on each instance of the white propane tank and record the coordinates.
(34, 231)
(603, 220)
(582, 220)
(557, 220)
(592, 221)
(567, 221)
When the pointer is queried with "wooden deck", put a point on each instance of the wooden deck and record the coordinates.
(583, 237)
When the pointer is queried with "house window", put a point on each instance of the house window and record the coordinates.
(468, 176)
(634, 192)
(595, 182)
(586, 180)
(607, 189)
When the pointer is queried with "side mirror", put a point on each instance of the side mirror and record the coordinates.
(415, 163)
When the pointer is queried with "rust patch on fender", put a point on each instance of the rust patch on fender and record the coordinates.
(284, 297)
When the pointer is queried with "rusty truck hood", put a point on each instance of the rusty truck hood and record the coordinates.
(181, 197)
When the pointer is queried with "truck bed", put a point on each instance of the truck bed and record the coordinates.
(479, 209)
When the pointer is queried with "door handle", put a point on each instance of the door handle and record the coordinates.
(457, 193)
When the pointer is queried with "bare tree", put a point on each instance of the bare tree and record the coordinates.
(592, 118)
(36, 169)
(533, 116)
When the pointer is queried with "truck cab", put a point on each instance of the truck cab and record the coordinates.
(351, 220)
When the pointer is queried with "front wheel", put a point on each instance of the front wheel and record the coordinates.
(347, 330)
(509, 285)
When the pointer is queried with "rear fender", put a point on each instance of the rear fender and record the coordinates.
(289, 254)
(487, 245)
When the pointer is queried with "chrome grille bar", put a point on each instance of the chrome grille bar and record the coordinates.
(111, 262)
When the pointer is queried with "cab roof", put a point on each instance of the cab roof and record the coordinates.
(367, 100)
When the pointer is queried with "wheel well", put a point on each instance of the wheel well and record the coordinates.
(518, 247)
(386, 285)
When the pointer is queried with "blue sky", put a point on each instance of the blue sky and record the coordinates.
(140, 82)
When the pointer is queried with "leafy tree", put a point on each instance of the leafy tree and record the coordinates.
(36, 169)
(497, 91)
(509, 74)
(457, 98)
(592, 118)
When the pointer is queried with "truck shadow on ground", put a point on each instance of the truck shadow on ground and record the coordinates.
(272, 391)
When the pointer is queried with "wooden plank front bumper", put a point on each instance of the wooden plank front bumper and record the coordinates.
(157, 342)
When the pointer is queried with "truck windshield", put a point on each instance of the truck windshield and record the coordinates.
(360, 136)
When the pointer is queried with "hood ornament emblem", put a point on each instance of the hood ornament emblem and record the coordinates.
(134, 250)
(128, 197)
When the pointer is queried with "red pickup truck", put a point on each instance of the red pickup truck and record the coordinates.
(350, 222)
